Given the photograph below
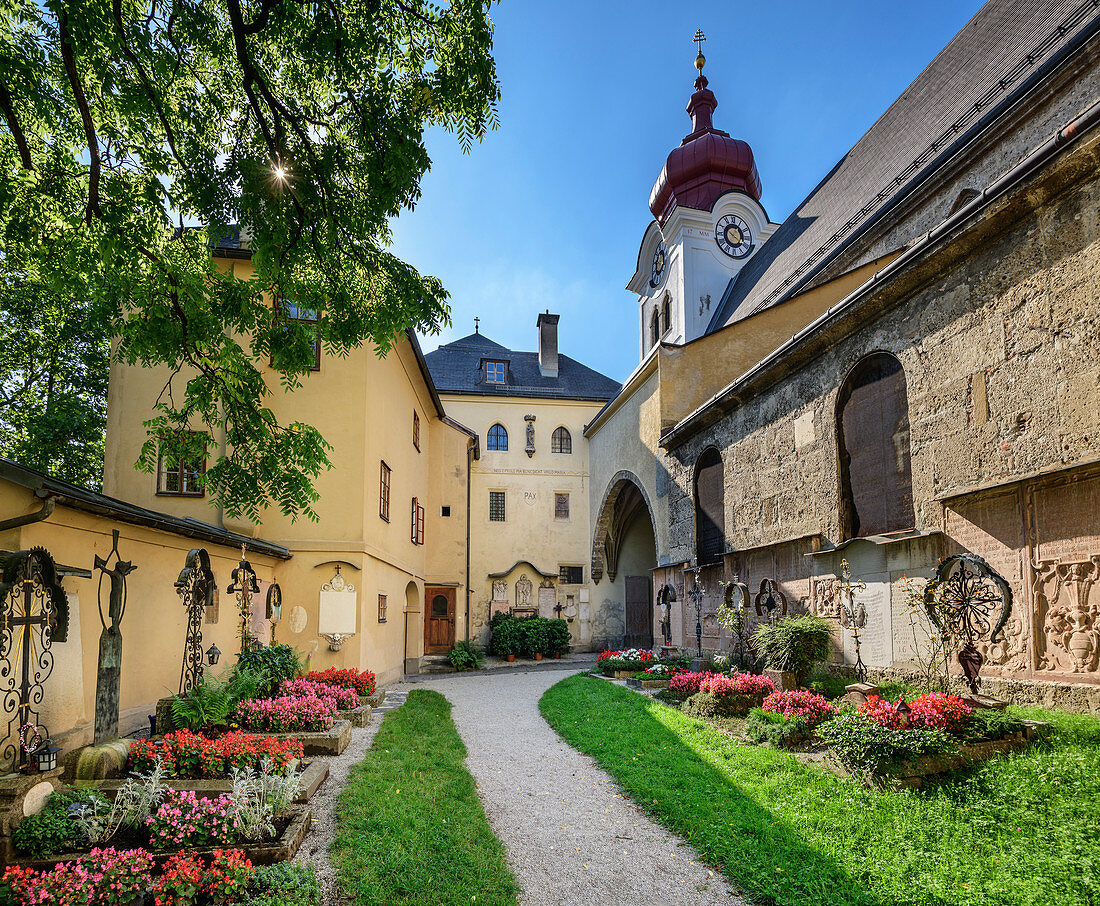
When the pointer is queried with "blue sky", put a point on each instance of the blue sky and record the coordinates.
(549, 210)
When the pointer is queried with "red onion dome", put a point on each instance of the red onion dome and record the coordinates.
(707, 164)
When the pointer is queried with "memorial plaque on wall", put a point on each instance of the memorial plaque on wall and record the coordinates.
(547, 599)
(876, 646)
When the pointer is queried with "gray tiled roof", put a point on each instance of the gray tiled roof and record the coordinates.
(1005, 43)
(457, 368)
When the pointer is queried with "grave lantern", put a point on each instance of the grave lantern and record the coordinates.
(905, 713)
(213, 653)
(45, 758)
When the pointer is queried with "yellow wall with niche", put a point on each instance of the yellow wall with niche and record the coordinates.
(363, 405)
(530, 530)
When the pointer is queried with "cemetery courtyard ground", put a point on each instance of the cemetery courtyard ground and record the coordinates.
(554, 787)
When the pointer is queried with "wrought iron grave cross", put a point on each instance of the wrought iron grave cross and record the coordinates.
(196, 589)
(35, 607)
(853, 616)
(244, 586)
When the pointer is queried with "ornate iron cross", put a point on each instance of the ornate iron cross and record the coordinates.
(852, 616)
(961, 602)
(32, 599)
(244, 586)
(195, 586)
(697, 593)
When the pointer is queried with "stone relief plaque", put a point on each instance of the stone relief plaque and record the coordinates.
(1068, 605)
(523, 592)
(298, 618)
(500, 591)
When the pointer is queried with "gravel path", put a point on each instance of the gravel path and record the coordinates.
(572, 837)
(322, 806)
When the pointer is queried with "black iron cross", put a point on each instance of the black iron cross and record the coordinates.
(30, 595)
(244, 586)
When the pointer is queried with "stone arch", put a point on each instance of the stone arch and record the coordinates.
(624, 496)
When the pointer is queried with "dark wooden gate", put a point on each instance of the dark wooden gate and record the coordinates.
(439, 620)
(639, 613)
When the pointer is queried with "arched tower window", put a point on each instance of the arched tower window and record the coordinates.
(561, 441)
(497, 438)
(654, 328)
(876, 479)
(666, 315)
(710, 510)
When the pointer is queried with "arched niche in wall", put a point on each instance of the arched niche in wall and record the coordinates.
(872, 423)
(710, 509)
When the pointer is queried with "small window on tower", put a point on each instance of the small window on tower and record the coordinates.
(416, 430)
(444, 511)
(666, 315)
(381, 608)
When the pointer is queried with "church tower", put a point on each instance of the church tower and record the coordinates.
(708, 224)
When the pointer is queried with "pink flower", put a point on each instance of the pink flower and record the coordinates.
(800, 703)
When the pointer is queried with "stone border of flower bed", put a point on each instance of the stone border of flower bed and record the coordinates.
(912, 772)
(375, 699)
(314, 774)
(281, 849)
(639, 682)
(357, 717)
(323, 742)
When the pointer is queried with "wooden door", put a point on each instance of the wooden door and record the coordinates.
(439, 620)
(639, 613)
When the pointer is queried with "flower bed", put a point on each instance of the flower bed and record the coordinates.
(800, 704)
(288, 714)
(932, 711)
(629, 660)
(190, 755)
(364, 683)
(344, 696)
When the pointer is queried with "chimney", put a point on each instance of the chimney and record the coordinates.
(548, 344)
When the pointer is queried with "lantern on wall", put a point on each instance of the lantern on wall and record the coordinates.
(213, 653)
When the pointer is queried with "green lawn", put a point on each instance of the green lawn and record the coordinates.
(1018, 830)
(410, 828)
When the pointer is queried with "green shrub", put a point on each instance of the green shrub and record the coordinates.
(782, 732)
(794, 644)
(466, 656)
(503, 635)
(283, 884)
(869, 749)
(274, 663)
(557, 636)
(52, 831)
(707, 705)
(986, 723)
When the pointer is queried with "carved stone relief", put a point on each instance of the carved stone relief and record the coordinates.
(500, 590)
(823, 601)
(1068, 613)
(523, 592)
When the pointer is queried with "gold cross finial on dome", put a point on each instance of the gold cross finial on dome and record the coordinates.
(700, 60)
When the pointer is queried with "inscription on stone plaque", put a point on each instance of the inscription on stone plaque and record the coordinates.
(876, 647)
(547, 599)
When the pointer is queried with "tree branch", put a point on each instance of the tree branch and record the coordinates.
(116, 9)
(85, 114)
(7, 107)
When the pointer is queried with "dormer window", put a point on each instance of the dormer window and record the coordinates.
(495, 372)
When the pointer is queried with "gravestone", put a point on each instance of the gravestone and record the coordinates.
(109, 672)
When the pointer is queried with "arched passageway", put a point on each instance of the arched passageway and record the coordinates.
(624, 554)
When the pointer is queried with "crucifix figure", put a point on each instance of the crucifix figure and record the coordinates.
(32, 598)
(244, 586)
(109, 674)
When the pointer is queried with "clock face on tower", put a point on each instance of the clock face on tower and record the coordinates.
(660, 265)
(733, 236)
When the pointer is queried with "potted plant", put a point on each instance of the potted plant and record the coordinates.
(790, 647)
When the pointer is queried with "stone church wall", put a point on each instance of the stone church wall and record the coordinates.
(1001, 353)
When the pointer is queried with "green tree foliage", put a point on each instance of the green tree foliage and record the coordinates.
(53, 384)
(136, 134)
